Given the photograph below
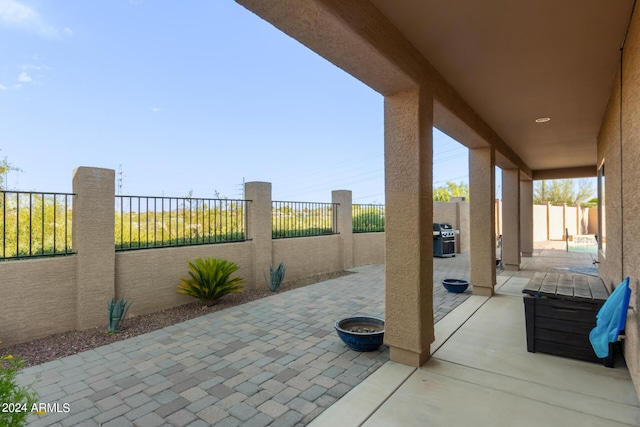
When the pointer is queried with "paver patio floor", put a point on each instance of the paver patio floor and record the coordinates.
(275, 361)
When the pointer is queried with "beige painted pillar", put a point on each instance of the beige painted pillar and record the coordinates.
(526, 218)
(548, 220)
(93, 239)
(564, 221)
(511, 219)
(458, 222)
(498, 217)
(408, 140)
(345, 225)
(482, 256)
(259, 228)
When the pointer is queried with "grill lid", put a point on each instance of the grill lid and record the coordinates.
(442, 226)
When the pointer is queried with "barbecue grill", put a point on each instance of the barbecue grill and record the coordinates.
(444, 240)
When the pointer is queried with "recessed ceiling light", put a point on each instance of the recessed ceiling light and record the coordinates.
(543, 119)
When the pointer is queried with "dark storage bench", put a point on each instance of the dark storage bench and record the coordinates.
(560, 311)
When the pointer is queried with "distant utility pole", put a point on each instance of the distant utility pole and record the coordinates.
(241, 190)
(120, 178)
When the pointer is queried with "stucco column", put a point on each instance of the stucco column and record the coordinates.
(526, 218)
(345, 225)
(259, 228)
(458, 223)
(511, 219)
(482, 254)
(93, 239)
(408, 140)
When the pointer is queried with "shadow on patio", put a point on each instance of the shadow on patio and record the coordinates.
(480, 372)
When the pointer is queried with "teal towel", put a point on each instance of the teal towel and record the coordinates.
(611, 319)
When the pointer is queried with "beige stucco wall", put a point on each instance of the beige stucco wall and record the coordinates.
(38, 298)
(463, 239)
(306, 256)
(618, 149)
(149, 277)
(571, 220)
(540, 223)
(592, 221)
(445, 212)
(368, 248)
(556, 228)
(551, 222)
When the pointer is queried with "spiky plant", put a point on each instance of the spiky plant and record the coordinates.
(276, 276)
(210, 279)
(117, 313)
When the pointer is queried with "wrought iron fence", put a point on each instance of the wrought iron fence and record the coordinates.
(367, 218)
(302, 219)
(144, 222)
(35, 224)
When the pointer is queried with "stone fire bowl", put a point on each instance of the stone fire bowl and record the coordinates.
(361, 333)
(455, 285)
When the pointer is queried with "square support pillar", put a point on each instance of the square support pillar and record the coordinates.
(526, 218)
(259, 228)
(93, 240)
(482, 256)
(408, 139)
(511, 219)
(344, 225)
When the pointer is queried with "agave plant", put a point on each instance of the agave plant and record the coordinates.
(210, 279)
(117, 312)
(276, 276)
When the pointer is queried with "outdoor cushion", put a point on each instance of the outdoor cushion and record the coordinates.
(611, 319)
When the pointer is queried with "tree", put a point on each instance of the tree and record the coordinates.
(444, 193)
(561, 191)
(5, 168)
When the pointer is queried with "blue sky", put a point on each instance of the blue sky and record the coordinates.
(185, 96)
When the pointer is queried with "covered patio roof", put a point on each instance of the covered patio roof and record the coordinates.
(495, 66)
(533, 87)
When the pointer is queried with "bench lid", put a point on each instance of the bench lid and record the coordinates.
(566, 286)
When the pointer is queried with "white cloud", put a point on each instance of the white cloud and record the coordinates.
(156, 109)
(35, 67)
(24, 77)
(3, 87)
(14, 14)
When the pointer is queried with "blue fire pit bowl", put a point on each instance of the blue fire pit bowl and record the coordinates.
(361, 333)
(455, 285)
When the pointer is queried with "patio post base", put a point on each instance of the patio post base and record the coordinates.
(409, 357)
(483, 291)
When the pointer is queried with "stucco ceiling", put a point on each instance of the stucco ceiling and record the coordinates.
(516, 61)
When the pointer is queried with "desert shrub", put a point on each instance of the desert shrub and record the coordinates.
(20, 399)
(210, 279)
(276, 276)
